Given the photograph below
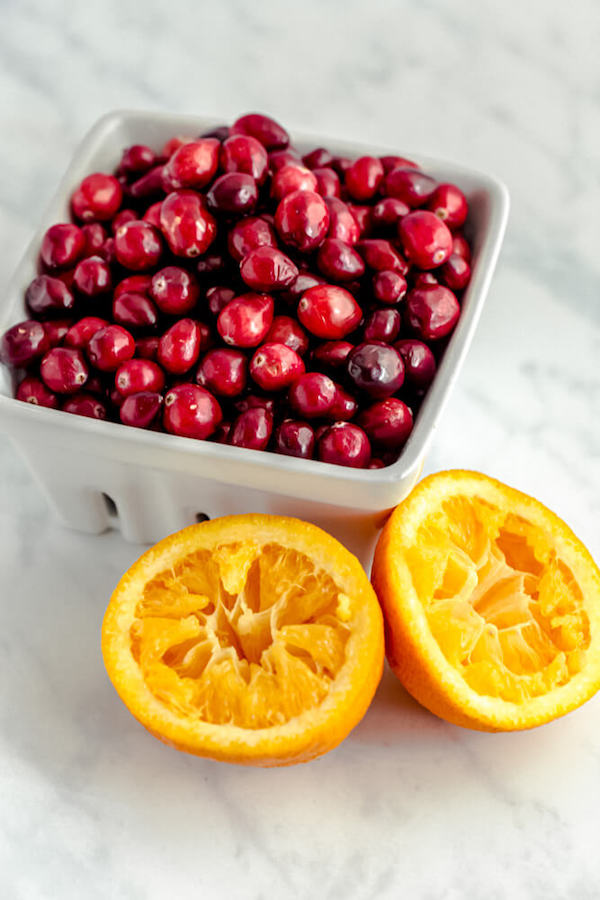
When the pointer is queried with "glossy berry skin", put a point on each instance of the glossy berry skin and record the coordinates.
(332, 354)
(212, 264)
(396, 162)
(193, 165)
(152, 214)
(134, 284)
(80, 333)
(387, 212)
(174, 290)
(389, 286)
(302, 220)
(245, 321)
(186, 224)
(140, 410)
(299, 286)
(252, 429)
(339, 261)
(376, 369)
(92, 277)
(84, 404)
(382, 325)
(248, 234)
(243, 153)
(267, 269)
(218, 297)
(424, 279)
(134, 311)
(460, 247)
(280, 158)
(388, 423)
(456, 272)
(292, 178)
(191, 411)
(380, 256)
(97, 199)
(62, 246)
(138, 246)
(329, 312)
(222, 371)
(345, 444)
(122, 218)
(47, 296)
(328, 182)
(419, 362)
(23, 343)
(147, 347)
(95, 236)
(432, 311)
(56, 330)
(317, 158)
(450, 204)
(344, 405)
(179, 347)
(137, 375)
(64, 370)
(275, 366)
(411, 186)
(136, 160)
(342, 223)
(295, 438)
(427, 242)
(150, 184)
(362, 214)
(234, 193)
(288, 331)
(266, 130)
(364, 177)
(33, 390)
(312, 395)
(109, 347)
(254, 401)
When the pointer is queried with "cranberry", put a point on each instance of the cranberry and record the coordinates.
(122, 218)
(179, 347)
(174, 290)
(62, 246)
(382, 325)
(246, 320)
(56, 330)
(285, 330)
(427, 242)
(174, 143)
(222, 371)
(456, 272)
(211, 265)
(254, 401)
(266, 130)
(387, 423)
(23, 343)
(221, 433)
(339, 261)
(32, 390)
(191, 411)
(460, 247)
(267, 269)
(95, 236)
(329, 312)
(423, 279)
(275, 366)
(63, 370)
(221, 133)
(376, 368)
(396, 162)
(364, 177)
(242, 153)
(292, 178)
(362, 214)
(432, 311)
(140, 410)
(411, 186)
(84, 404)
(97, 198)
(92, 277)
(192, 165)
(302, 283)
(345, 444)
(342, 223)
(302, 220)
(328, 182)
(332, 354)
(389, 286)
(109, 347)
(218, 297)
(186, 223)
(234, 193)
(47, 296)
(136, 160)
(450, 204)
(134, 284)
(152, 214)
(419, 362)
(149, 185)
(248, 234)
(280, 158)
(376, 463)
(312, 395)
(134, 310)
(107, 251)
(79, 334)
(341, 164)
(317, 158)
(138, 246)
(344, 405)
(381, 256)
(147, 347)
(206, 336)
(137, 375)
(387, 212)
(252, 429)
(295, 438)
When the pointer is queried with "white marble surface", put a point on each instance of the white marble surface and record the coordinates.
(408, 806)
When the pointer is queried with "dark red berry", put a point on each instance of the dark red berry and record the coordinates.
(382, 325)
(149, 185)
(246, 320)
(243, 153)
(388, 423)
(193, 165)
(411, 186)
(23, 343)
(432, 311)
(288, 331)
(191, 411)
(295, 438)
(362, 214)
(344, 405)
(387, 212)
(456, 272)
(109, 347)
(136, 160)
(302, 220)
(222, 371)
(312, 395)
(218, 297)
(364, 177)
(419, 362)
(234, 193)
(47, 296)
(174, 290)
(140, 410)
(275, 366)
(92, 277)
(248, 234)
(380, 256)
(152, 214)
(460, 247)
(179, 347)
(134, 311)
(252, 429)
(64, 370)
(389, 286)
(95, 236)
(396, 162)
(342, 223)
(62, 246)
(376, 368)
(122, 218)
(266, 130)
(84, 404)
(329, 312)
(186, 223)
(80, 332)
(137, 375)
(267, 269)
(427, 242)
(97, 198)
(332, 354)
(345, 444)
(328, 182)
(280, 158)
(134, 284)
(317, 158)
(138, 246)
(147, 347)
(450, 204)
(56, 330)
(292, 178)
(33, 390)
(339, 261)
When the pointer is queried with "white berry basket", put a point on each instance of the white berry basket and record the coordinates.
(98, 474)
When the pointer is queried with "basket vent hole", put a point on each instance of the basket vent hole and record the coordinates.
(202, 517)
(111, 506)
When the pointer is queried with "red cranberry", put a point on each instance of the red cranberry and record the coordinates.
(92, 277)
(137, 375)
(295, 438)
(218, 297)
(302, 220)
(138, 246)
(382, 325)
(56, 330)
(62, 246)
(432, 311)
(252, 429)
(134, 284)
(332, 354)
(345, 444)
(275, 366)
(222, 371)
(234, 193)
(95, 236)
(97, 198)
(342, 223)
(344, 405)
(174, 290)
(248, 234)
(186, 223)
(419, 362)
(362, 214)
(140, 410)
(191, 411)
(460, 247)
(364, 177)
(396, 162)
(47, 296)
(376, 368)
(107, 251)
(376, 463)
(32, 390)
(302, 283)
(136, 160)
(292, 178)
(246, 320)
(122, 218)
(266, 130)
(280, 158)
(221, 433)
(423, 279)
(267, 269)
(242, 153)
(312, 395)
(63, 370)
(456, 272)
(339, 261)
(450, 204)
(192, 165)
(328, 183)
(179, 347)
(79, 334)
(288, 331)
(84, 404)
(411, 186)
(23, 343)
(174, 143)
(214, 263)
(387, 423)
(329, 312)
(389, 286)
(134, 311)
(427, 242)
(254, 401)
(147, 347)
(341, 164)
(387, 212)
(149, 185)
(152, 214)
(109, 347)
(220, 132)
(317, 158)
(206, 336)
(381, 256)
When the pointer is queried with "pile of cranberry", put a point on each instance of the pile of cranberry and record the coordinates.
(231, 289)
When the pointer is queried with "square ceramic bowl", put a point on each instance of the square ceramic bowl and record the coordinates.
(100, 474)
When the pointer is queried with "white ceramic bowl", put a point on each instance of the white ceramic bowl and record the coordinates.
(97, 474)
